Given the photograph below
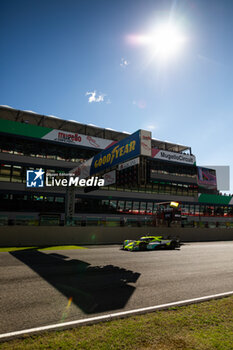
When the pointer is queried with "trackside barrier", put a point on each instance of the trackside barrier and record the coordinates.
(111, 221)
(62, 235)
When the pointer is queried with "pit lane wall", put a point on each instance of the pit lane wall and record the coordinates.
(62, 235)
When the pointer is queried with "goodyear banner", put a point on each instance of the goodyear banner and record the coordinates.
(125, 149)
(120, 152)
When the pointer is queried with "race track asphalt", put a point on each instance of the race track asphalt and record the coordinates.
(39, 288)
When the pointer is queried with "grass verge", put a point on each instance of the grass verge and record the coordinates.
(205, 326)
(56, 247)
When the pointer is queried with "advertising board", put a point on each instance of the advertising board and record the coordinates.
(110, 178)
(35, 131)
(77, 139)
(128, 164)
(145, 137)
(125, 149)
(120, 152)
(207, 178)
(173, 156)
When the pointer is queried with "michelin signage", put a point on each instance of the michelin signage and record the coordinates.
(173, 156)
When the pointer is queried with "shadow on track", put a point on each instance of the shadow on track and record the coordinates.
(93, 289)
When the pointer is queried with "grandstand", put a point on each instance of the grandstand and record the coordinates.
(164, 172)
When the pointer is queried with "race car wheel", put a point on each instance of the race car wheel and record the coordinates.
(142, 246)
(172, 245)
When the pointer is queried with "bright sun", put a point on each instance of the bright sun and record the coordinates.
(166, 41)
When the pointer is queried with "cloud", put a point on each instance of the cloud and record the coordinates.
(151, 127)
(208, 60)
(124, 63)
(141, 104)
(94, 98)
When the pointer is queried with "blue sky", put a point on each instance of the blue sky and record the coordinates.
(53, 53)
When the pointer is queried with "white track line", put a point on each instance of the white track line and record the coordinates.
(92, 320)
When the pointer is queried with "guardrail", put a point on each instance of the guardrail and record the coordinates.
(113, 221)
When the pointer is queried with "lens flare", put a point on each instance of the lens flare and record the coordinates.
(66, 311)
(166, 41)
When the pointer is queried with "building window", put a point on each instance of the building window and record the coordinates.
(128, 206)
(112, 205)
(135, 207)
(120, 206)
(16, 174)
(5, 172)
(149, 207)
(142, 207)
(59, 199)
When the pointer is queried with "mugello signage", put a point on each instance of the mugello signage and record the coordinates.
(173, 156)
(77, 139)
(39, 132)
(145, 143)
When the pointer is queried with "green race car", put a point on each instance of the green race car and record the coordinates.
(151, 243)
